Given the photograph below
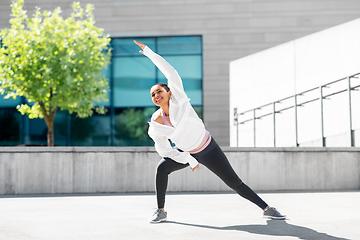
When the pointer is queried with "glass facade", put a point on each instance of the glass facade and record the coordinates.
(129, 108)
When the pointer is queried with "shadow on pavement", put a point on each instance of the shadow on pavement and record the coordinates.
(273, 228)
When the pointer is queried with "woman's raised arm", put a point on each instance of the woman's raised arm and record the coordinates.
(174, 80)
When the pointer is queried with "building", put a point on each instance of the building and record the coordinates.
(213, 33)
(301, 93)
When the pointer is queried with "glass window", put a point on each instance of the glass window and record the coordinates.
(129, 108)
(179, 45)
(189, 69)
(125, 46)
(133, 75)
(10, 127)
(10, 102)
(38, 132)
(95, 133)
(132, 80)
(60, 128)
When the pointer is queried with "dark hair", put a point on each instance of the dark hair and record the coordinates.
(164, 85)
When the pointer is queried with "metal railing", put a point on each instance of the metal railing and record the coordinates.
(296, 103)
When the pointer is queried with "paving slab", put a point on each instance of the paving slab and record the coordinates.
(317, 215)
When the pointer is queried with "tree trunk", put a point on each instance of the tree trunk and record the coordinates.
(50, 135)
(49, 120)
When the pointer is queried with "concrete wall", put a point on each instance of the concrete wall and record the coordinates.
(230, 28)
(36, 170)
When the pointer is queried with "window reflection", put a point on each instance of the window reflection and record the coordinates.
(131, 126)
(132, 79)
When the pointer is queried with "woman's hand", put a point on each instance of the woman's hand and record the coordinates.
(195, 167)
(140, 45)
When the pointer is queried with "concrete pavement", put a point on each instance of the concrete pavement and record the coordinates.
(320, 215)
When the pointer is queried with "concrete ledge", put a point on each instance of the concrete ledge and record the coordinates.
(291, 149)
(44, 149)
(152, 149)
(49, 170)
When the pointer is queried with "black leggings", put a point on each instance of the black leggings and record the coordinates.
(215, 160)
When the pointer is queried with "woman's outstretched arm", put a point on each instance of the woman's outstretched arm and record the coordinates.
(174, 80)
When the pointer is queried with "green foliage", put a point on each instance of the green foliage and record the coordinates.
(54, 62)
(132, 124)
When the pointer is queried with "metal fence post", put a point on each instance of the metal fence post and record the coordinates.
(236, 122)
(323, 144)
(254, 118)
(352, 142)
(274, 123)
(296, 124)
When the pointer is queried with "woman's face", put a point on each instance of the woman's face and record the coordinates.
(159, 95)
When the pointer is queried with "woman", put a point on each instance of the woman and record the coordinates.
(176, 120)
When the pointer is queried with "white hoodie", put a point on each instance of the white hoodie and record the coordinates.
(188, 131)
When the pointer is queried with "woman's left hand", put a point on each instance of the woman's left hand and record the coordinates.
(195, 167)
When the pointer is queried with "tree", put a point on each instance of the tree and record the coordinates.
(54, 63)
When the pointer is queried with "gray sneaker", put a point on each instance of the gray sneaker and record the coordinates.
(159, 216)
(273, 214)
